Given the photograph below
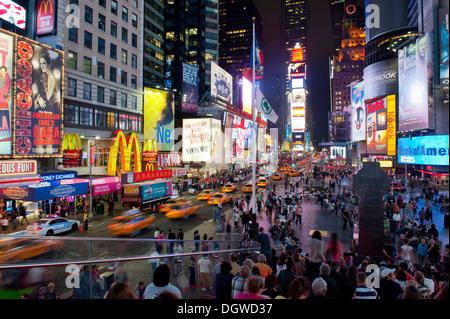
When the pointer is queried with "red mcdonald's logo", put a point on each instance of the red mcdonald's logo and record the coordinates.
(47, 5)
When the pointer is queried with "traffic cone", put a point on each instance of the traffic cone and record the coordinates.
(81, 227)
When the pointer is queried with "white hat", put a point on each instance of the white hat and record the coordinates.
(385, 272)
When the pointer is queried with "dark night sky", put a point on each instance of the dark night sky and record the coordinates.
(319, 46)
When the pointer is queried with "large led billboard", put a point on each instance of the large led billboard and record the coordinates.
(202, 140)
(381, 126)
(414, 84)
(298, 110)
(221, 83)
(444, 52)
(6, 92)
(39, 93)
(189, 88)
(358, 125)
(338, 152)
(247, 96)
(424, 150)
(13, 13)
(159, 118)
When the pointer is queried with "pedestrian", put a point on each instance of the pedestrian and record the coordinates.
(23, 213)
(110, 206)
(205, 265)
(345, 217)
(180, 237)
(223, 281)
(85, 219)
(298, 215)
(14, 216)
(5, 224)
(422, 251)
(192, 268)
(159, 243)
(266, 247)
(197, 240)
(161, 284)
(171, 235)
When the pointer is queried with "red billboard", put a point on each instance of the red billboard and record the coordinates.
(45, 17)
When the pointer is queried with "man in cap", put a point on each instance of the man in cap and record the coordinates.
(389, 289)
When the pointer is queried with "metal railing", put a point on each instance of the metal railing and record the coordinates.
(86, 268)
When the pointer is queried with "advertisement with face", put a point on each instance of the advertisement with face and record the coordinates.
(38, 121)
(189, 102)
(358, 127)
(337, 152)
(6, 91)
(376, 126)
(221, 83)
(415, 75)
(159, 118)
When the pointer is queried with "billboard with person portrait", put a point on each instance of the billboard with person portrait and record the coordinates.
(358, 125)
(6, 91)
(39, 95)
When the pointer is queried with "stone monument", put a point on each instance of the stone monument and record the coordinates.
(371, 183)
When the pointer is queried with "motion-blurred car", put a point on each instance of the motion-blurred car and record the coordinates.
(283, 168)
(131, 222)
(181, 211)
(12, 250)
(276, 176)
(170, 202)
(396, 187)
(204, 194)
(248, 188)
(219, 198)
(52, 226)
(262, 182)
(228, 188)
(293, 172)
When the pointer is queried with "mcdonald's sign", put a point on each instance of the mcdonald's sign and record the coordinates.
(126, 147)
(45, 17)
(72, 150)
(150, 156)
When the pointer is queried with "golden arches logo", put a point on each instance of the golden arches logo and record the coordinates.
(150, 150)
(71, 142)
(46, 4)
(126, 148)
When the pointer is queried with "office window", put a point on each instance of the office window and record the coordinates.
(86, 116)
(114, 29)
(113, 51)
(73, 34)
(72, 87)
(100, 94)
(87, 40)
(124, 56)
(134, 40)
(134, 20)
(87, 65)
(113, 97)
(102, 3)
(133, 81)
(86, 91)
(101, 46)
(124, 35)
(124, 14)
(112, 74)
(123, 99)
(114, 7)
(100, 118)
(88, 14)
(134, 61)
(135, 3)
(101, 22)
(133, 102)
(123, 78)
(72, 60)
(101, 70)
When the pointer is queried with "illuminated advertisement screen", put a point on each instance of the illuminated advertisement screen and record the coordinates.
(159, 118)
(297, 70)
(6, 92)
(13, 13)
(444, 52)
(424, 150)
(298, 111)
(380, 126)
(38, 92)
(45, 17)
(246, 96)
(414, 84)
(221, 83)
(189, 88)
(297, 83)
(201, 139)
(358, 126)
(337, 152)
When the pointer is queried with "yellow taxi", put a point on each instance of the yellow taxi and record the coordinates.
(228, 188)
(204, 194)
(304, 162)
(262, 182)
(171, 201)
(219, 198)
(248, 188)
(13, 249)
(284, 168)
(293, 173)
(183, 210)
(131, 222)
(276, 176)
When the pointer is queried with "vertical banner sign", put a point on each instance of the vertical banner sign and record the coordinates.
(38, 124)
(189, 102)
(45, 17)
(358, 126)
(159, 118)
(391, 126)
(6, 73)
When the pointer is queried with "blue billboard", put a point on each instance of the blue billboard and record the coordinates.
(424, 150)
(156, 190)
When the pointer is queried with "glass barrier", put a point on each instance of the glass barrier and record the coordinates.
(85, 269)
